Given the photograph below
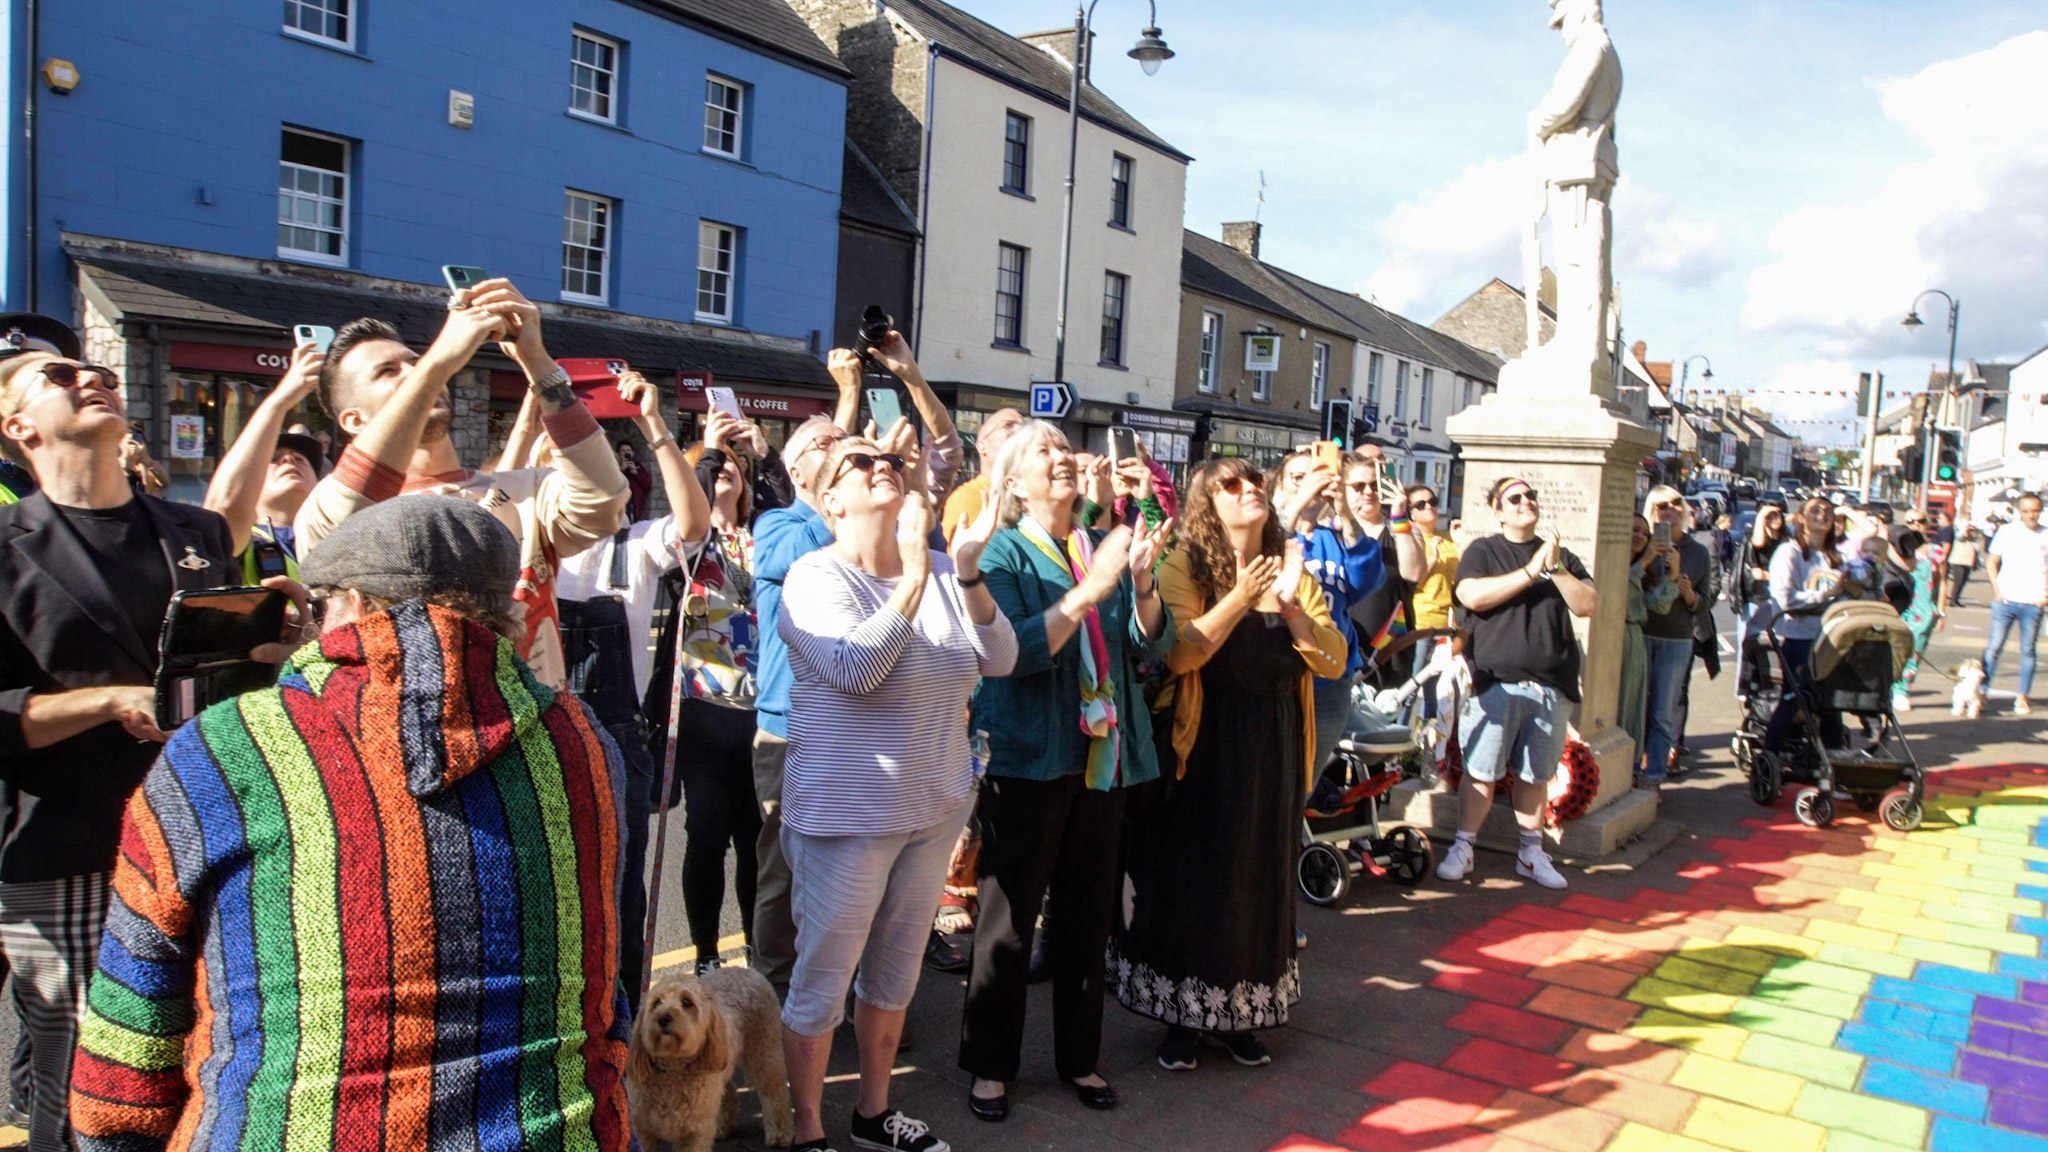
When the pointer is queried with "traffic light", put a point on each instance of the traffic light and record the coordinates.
(1337, 422)
(1948, 460)
(1913, 457)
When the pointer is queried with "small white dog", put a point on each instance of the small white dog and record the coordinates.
(1968, 698)
(693, 1033)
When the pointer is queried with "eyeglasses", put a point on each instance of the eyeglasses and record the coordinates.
(1518, 498)
(1362, 486)
(1235, 485)
(1425, 502)
(65, 375)
(1667, 504)
(865, 462)
(819, 443)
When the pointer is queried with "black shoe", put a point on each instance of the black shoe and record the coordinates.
(892, 1131)
(940, 956)
(1100, 1097)
(989, 1108)
(819, 1145)
(1244, 1047)
(1177, 1051)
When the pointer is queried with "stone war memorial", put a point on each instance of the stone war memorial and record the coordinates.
(1554, 422)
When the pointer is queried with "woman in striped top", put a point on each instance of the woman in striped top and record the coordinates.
(886, 641)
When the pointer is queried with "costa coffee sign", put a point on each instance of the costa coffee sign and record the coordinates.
(691, 383)
(237, 359)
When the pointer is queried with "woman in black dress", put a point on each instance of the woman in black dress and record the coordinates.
(1210, 947)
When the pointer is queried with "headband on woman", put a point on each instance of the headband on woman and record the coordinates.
(1500, 494)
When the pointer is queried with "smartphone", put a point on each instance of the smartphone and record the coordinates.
(595, 379)
(1662, 532)
(203, 650)
(1390, 474)
(317, 335)
(722, 399)
(1329, 455)
(884, 408)
(460, 276)
(1123, 444)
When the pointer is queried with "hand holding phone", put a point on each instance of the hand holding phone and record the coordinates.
(722, 399)
(884, 408)
(317, 336)
(462, 277)
(1329, 455)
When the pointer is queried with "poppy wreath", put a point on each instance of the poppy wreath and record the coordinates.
(1576, 783)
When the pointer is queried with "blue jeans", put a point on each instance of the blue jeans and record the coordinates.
(1670, 664)
(2004, 614)
(1514, 728)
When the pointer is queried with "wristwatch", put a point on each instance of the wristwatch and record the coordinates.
(554, 387)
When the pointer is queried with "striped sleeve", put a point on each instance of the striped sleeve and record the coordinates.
(827, 626)
(127, 1083)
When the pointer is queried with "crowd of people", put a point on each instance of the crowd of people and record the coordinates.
(1064, 703)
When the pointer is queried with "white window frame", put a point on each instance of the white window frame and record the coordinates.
(1400, 390)
(1128, 183)
(1122, 300)
(1262, 382)
(610, 96)
(1427, 393)
(345, 9)
(1209, 354)
(1023, 186)
(603, 248)
(337, 260)
(738, 112)
(1318, 373)
(1004, 248)
(722, 241)
(1375, 364)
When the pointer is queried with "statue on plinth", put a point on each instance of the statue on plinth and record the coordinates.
(1571, 133)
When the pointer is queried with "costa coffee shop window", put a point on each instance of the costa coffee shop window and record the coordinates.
(214, 388)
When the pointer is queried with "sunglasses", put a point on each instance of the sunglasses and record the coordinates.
(66, 375)
(866, 461)
(1425, 502)
(1235, 485)
(1519, 498)
(1362, 486)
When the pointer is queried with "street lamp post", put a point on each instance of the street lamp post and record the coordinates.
(1685, 372)
(1150, 52)
(1948, 387)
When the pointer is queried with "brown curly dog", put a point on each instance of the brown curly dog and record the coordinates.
(691, 1033)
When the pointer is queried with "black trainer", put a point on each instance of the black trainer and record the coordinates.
(1244, 1047)
(819, 1145)
(892, 1131)
(1177, 1051)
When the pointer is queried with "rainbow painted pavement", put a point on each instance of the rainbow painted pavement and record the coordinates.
(1848, 989)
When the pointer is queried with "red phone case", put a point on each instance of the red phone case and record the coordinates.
(594, 381)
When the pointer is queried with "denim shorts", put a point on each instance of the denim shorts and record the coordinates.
(1519, 725)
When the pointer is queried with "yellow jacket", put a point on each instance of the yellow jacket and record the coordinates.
(1187, 656)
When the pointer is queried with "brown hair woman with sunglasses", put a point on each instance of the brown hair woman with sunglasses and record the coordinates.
(1210, 946)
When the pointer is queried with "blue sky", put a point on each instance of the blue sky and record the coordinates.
(1793, 173)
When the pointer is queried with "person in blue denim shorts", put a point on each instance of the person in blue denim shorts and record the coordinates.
(1516, 594)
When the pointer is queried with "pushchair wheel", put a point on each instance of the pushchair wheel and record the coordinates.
(1323, 872)
(1765, 780)
(1813, 807)
(1411, 856)
(1866, 802)
(1899, 811)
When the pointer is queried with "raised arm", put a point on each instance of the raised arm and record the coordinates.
(943, 452)
(686, 497)
(844, 366)
(237, 485)
(520, 440)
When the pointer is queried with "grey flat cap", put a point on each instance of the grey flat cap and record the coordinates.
(412, 546)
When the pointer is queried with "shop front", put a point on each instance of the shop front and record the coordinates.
(777, 410)
(1168, 438)
(210, 392)
(1265, 445)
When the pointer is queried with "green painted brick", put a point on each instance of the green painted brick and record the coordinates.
(2010, 905)
(1841, 1141)
(1862, 1115)
(1779, 1020)
(1680, 998)
(1822, 974)
(1807, 997)
(1968, 917)
(1879, 963)
(1712, 977)
(1729, 955)
(1953, 955)
(1828, 1066)
(2011, 943)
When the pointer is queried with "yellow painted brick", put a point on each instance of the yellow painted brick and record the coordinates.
(1634, 1137)
(2019, 848)
(1956, 915)
(1680, 998)
(1953, 955)
(1912, 847)
(2010, 905)
(1854, 935)
(1918, 872)
(1749, 1130)
(1765, 940)
(1926, 891)
(1998, 940)
(1894, 901)
(1689, 1032)
(1756, 1087)
(1903, 925)
(1710, 977)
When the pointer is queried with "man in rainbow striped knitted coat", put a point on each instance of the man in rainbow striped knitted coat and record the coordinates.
(375, 906)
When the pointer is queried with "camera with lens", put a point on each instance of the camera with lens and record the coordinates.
(875, 326)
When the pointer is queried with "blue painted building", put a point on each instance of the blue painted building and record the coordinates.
(665, 172)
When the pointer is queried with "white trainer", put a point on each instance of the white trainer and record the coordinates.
(1456, 862)
(2020, 707)
(1534, 864)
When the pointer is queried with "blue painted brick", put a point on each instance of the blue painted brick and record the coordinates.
(2038, 865)
(2024, 967)
(1941, 975)
(1950, 1000)
(2032, 925)
(1948, 1029)
(1901, 1047)
(1925, 1090)
(1952, 1135)
(2034, 892)
(1895, 1017)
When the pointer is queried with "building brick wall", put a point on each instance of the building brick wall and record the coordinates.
(885, 105)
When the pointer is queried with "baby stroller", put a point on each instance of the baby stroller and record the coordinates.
(1861, 651)
(1340, 828)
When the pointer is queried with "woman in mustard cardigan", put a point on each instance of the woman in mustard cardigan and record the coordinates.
(1210, 947)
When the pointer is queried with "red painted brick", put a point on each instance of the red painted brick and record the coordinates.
(1456, 1099)
(1553, 1125)
(1511, 1025)
(1604, 1013)
(1659, 1105)
(1475, 956)
(1505, 1064)
(1486, 984)
(1397, 1128)
(1547, 916)
(1296, 1142)
(1586, 976)
(1596, 906)
(1773, 921)
(1606, 950)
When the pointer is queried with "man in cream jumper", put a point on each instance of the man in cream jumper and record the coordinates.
(394, 402)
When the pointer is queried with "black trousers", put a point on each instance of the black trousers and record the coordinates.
(1036, 833)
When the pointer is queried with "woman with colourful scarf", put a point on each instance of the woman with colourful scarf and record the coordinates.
(1068, 735)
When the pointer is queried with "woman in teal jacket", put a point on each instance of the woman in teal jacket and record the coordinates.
(1068, 733)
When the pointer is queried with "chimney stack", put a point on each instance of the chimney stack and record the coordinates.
(1060, 42)
(1243, 235)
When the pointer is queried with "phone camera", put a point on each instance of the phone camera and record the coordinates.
(875, 326)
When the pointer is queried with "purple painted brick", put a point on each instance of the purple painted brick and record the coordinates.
(2027, 1113)
(2012, 1012)
(2028, 1046)
(2005, 1075)
(2034, 992)
(1991, 1037)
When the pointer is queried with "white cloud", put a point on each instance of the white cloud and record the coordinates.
(1971, 217)
(1653, 238)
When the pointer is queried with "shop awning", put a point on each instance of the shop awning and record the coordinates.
(197, 300)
